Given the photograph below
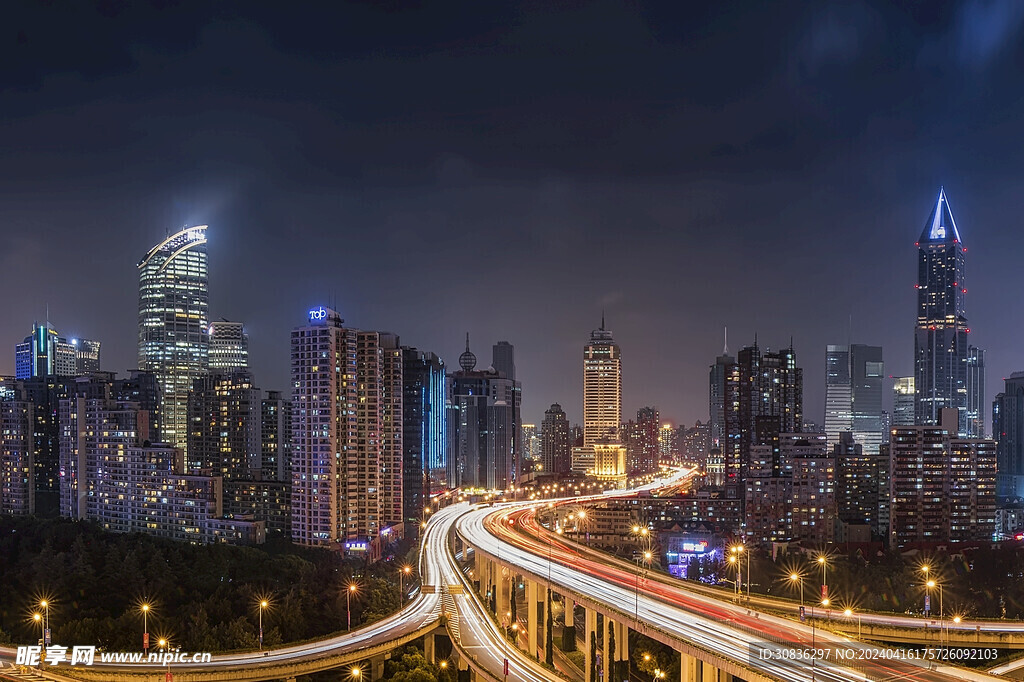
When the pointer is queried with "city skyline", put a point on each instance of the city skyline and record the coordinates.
(646, 199)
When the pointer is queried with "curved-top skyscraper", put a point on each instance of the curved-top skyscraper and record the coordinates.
(174, 317)
(940, 339)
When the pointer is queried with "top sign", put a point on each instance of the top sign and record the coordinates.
(317, 314)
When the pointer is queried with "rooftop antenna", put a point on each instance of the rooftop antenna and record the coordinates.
(467, 340)
(725, 349)
(602, 319)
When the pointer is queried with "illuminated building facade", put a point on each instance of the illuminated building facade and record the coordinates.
(229, 346)
(853, 394)
(940, 337)
(87, 356)
(975, 392)
(174, 340)
(347, 434)
(424, 432)
(17, 458)
(602, 408)
(554, 441)
(1008, 431)
(903, 397)
(224, 426)
(276, 438)
(45, 353)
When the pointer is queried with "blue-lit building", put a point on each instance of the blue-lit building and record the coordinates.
(45, 353)
(940, 338)
(423, 438)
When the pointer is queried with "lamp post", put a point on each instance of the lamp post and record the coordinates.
(848, 613)
(736, 577)
(348, 603)
(645, 557)
(406, 570)
(738, 550)
(796, 577)
(38, 617)
(263, 604)
(931, 584)
(823, 562)
(145, 628)
(45, 605)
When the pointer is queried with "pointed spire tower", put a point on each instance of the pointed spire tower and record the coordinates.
(467, 361)
(940, 337)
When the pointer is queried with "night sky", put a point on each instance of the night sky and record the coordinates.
(512, 170)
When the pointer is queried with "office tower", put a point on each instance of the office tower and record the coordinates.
(87, 356)
(724, 410)
(602, 409)
(770, 400)
(813, 503)
(17, 457)
(838, 393)
(857, 488)
(44, 353)
(1008, 431)
(940, 338)
(668, 444)
(224, 412)
(866, 375)
(528, 437)
(642, 441)
(174, 338)
(229, 346)
(423, 438)
(347, 435)
(554, 437)
(943, 486)
(903, 398)
(483, 425)
(503, 359)
(275, 438)
(142, 388)
(975, 392)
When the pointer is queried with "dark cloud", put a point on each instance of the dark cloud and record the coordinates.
(512, 169)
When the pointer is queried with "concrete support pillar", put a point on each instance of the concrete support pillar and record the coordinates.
(689, 668)
(428, 646)
(532, 629)
(709, 672)
(606, 650)
(377, 668)
(590, 623)
(501, 585)
(570, 607)
(568, 628)
(622, 641)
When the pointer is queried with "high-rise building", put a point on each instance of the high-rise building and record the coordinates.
(423, 440)
(174, 340)
(554, 436)
(770, 400)
(940, 338)
(347, 435)
(903, 397)
(602, 409)
(503, 359)
(229, 346)
(853, 394)
(838, 393)
(943, 486)
(975, 392)
(483, 424)
(224, 426)
(45, 353)
(1008, 431)
(276, 438)
(724, 410)
(17, 457)
(642, 441)
(857, 483)
(668, 443)
(87, 356)
(528, 440)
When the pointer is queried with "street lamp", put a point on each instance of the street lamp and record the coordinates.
(848, 613)
(38, 617)
(355, 673)
(145, 627)
(738, 550)
(796, 577)
(736, 578)
(263, 604)
(646, 557)
(930, 584)
(348, 603)
(406, 570)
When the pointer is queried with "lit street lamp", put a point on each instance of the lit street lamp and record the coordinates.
(348, 603)
(646, 557)
(263, 604)
(931, 584)
(739, 550)
(406, 570)
(796, 577)
(38, 617)
(736, 577)
(145, 627)
(848, 613)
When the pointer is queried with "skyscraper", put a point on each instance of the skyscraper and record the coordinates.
(975, 392)
(602, 453)
(17, 458)
(174, 340)
(276, 437)
(1008, 431)
(423, 440)
(483, 426)
(771, 394)
(347, 435)
(724, 412)
(503, 359)
(87, 356)
(853, 394)
(903, 398)
(224, 426)
(45, 353)
(229, 346)
(554, 437)
(940, 339)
